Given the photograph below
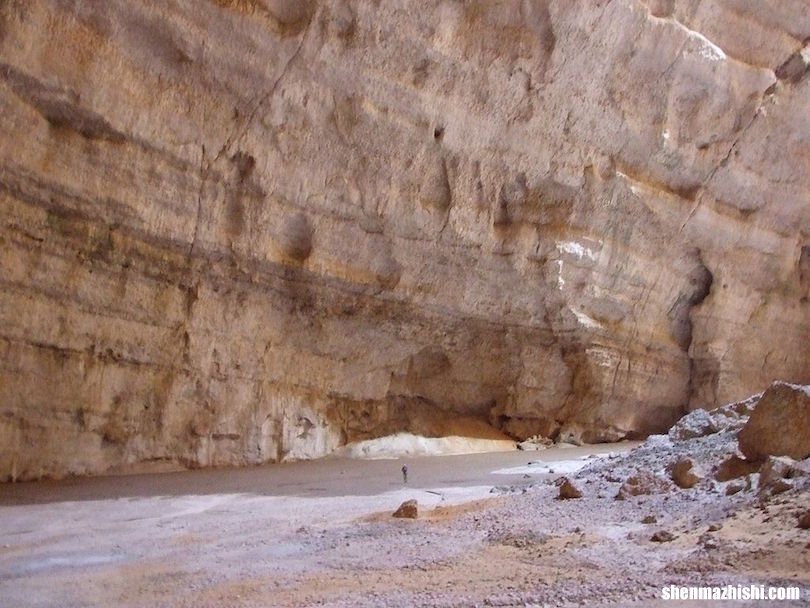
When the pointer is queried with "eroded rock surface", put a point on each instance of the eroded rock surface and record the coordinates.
(779, 425)
(240, 231)
(407, 510)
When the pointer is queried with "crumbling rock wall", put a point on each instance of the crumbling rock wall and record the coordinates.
(238, 231)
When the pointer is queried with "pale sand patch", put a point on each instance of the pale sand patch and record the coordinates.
(406, 444)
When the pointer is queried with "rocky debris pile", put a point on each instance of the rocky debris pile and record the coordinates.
(700, 423)
(702, 452)
(407, 510)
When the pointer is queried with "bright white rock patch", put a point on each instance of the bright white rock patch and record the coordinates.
(585, 320)
(407, 444)
(708, 49)
(575, 249)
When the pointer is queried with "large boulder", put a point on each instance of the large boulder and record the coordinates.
(779, 425)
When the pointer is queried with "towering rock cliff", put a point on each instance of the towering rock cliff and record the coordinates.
(238, 231)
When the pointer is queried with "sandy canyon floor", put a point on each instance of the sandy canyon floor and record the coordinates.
(321, 534)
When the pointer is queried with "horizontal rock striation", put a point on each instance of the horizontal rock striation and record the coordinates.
(241, 231)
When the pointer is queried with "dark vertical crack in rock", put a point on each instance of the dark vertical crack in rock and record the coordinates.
(701, 279)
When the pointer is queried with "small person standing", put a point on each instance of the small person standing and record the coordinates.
(404, 473)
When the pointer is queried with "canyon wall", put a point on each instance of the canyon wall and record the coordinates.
(241, 231)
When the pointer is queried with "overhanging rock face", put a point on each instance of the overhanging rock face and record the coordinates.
(238, 231)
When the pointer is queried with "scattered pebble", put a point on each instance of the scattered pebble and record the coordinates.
(663, 536)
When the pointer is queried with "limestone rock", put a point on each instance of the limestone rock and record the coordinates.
(289, 12)
(296, 237)
(682, 474)
(568, 490)
(775, 475)
(435, 190)
(643, 483)
(407, 510)
(780, 424)
(734, 467)
(698, 423)
(701, 422)
(776, 486)
(535, 443)
(596, 210)
(663, 536)
(779, 468)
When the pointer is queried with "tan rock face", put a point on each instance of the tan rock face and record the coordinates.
(239, 231)
(779, 425)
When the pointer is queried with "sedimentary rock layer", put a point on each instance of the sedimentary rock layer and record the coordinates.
(238, 231)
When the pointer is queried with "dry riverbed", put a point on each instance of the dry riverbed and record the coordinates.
(320, 533)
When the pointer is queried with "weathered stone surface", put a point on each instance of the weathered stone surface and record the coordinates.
(682, 473)
(701, 423)
(779, 425)
(643, 483)
(780, 468)
(775, 473)
(241, 231)
(407, 510)
(535, 443)
(663, 536)
(734, 467)
(568, 489)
